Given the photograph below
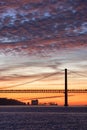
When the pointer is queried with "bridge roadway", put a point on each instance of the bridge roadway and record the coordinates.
(44, 91)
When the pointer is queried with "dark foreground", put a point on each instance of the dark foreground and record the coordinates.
(43, 118)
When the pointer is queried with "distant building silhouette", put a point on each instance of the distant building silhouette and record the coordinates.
(28, 103)
(34, 102)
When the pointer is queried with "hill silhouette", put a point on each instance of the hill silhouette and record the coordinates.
(5, 101)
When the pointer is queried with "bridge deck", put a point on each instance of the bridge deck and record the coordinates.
(44, 91)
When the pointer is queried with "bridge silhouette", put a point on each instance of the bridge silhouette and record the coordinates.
(65, 90)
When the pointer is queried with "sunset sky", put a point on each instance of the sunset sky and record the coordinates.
(39, 38)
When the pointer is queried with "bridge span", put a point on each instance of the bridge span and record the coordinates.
(44, 91)
(65, 90)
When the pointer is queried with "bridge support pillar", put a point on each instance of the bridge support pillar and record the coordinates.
(66, 90)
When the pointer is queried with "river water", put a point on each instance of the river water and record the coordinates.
(43, 118)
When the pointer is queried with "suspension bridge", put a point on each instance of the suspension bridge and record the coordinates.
(66, 91)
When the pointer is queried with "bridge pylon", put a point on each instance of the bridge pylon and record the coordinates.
(66, 89)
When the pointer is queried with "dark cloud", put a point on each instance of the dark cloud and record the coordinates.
(35, 26)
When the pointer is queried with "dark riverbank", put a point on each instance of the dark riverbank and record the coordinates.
(5, 101)
(43, 109)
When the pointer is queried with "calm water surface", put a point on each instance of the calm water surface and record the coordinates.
(43, 118)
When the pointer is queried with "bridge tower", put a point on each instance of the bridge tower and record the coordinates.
(66, 89)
